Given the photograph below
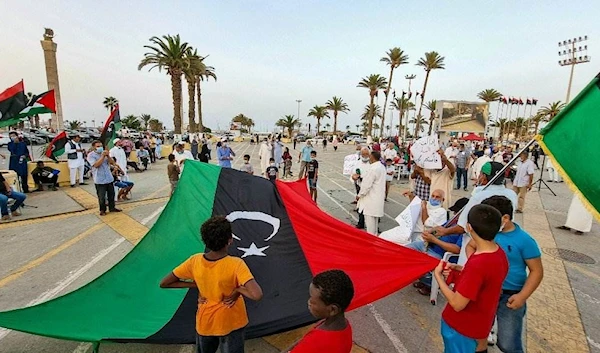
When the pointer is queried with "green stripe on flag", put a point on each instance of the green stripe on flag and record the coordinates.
(126, 301)
(572, 140)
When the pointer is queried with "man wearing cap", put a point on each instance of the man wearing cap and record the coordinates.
(225, 154)
(523, 179)
(75, 160)
(488, 171)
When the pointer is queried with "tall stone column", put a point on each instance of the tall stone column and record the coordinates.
(49, 48)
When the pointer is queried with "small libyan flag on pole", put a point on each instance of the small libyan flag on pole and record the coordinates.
(56, 147)
(570, 140)
(112, 125)
(40, 104)
(12, 102)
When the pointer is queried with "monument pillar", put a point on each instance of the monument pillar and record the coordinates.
(49, 48)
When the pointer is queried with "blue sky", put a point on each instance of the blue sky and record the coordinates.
(267, 54)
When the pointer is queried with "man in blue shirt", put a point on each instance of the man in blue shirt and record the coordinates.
(225, 154)
(304, 158)
(100, 161)
(523, 253)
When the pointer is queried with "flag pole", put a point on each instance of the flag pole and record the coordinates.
(495, 177)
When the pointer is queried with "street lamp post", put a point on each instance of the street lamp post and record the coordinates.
(298, 117)
(93, 123)
(571, 55)
(409, 78)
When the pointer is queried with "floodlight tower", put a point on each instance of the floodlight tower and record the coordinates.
(571, 53)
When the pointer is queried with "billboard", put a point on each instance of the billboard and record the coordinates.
(461, 116)
(235, 125)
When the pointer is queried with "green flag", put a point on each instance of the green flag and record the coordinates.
(571, 140)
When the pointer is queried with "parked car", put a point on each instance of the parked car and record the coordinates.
(43, 134)
(85, 138)
(31, 139)
(4, 139)
(301, 138)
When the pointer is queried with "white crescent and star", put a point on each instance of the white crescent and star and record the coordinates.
(254, 250)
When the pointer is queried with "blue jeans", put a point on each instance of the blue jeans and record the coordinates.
(510, 326)
(230, 343)
(419, 245)
(17, 196)
(454, 342)
(460, 174)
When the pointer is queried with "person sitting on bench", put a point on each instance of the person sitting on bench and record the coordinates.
(6, 193)
(124, 186)
(45, 175)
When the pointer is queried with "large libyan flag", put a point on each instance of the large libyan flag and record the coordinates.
(572, 140)
(281, 234)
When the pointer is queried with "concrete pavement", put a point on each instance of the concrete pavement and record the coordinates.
(65, 244)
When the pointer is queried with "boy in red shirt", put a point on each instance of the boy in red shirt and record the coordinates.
(469, 314)
(330, 294)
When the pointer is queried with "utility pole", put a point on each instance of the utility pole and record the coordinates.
(572, 53)
(298, 101)
(409, 78)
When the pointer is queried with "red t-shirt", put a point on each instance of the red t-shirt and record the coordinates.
(481, 282)
(321, 341)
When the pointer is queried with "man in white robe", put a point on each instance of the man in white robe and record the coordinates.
(371, 198)
(75, 160)
(265, 155)
(578, 218)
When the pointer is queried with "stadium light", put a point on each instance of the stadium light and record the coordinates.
(572, 56)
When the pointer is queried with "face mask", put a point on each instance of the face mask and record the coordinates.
(180, 152)
(272, 164)
(435, 202)
(99, 149)
(312, 158)
(364, 159)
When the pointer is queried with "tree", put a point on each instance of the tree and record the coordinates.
(489, 95)
(403, 105)
(327, 126)
(336, 105)
(373, 83)
(145, 118)
(110, 103)
(502, 124)
(395, 57)
(288, 122)
(431, 61)
(205, 74)
(519, 123)
(347, 127)
(193, 68)
(419, 125)
(131, 122)
(319, 112)
(431, 106)
(552, 110)
(155, 125)
(74, 124)
(536, 120)
(371, 112)
(169, 53)
(242, 119)
(357, 126)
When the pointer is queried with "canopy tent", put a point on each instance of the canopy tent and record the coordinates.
(282, 235)
(472, 137)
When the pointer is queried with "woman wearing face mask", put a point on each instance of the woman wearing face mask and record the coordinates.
(19, 156)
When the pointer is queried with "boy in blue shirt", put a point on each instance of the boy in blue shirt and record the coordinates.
(523, 253)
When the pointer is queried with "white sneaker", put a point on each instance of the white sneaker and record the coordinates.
(492, 338)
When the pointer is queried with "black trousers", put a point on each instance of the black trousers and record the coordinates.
(361, 216)
(103, 191)
(38, 179)
(152, 154)
(133, 165)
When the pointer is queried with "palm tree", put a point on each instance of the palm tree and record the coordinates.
(502, 124)
(336, 105)
(74, 125)
(431, 61)
(419, 125)
(205, 74)
(371, 112)
(431, 106)
(489, 95)
(327, 126)
(357, 126)
(403, 105)
(195, 66)
(519, 123)
(131, 122)
(319, 112)
(288, 122)
(110, 103)
(145, 118)
(536, 120)
(250, 124)
(373, 83)
(552, 110)
(395, 57)
(347, 127)
(169, 53)
(242, 119)
(155, 125)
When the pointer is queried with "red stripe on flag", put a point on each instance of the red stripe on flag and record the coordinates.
(48, 100)
(11, 91)
(49, 150)
(377, 267)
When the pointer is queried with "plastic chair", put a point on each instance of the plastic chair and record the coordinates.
(435, 287)
(402, 171)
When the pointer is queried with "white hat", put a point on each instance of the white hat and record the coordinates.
(223, 139)
(181, 143)
(116, 140)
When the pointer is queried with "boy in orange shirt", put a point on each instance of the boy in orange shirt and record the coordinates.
(330, 295)
(221, 280)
